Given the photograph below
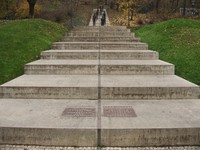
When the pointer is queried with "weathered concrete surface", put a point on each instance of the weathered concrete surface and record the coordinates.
(157, 123)
(101, 29)
(140, 100)
(97, 34)
(70, 54)
(51, 86)
(147, 87)
(20, 147)
(102, 39)
(104, 54)
(104, 28)
(38, 122)
(63, 67)
(107, 67)
(102, 45)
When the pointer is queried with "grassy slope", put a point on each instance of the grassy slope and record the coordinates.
(22, 41)
(178, 42)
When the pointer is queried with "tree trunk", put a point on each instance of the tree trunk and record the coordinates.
(157, 5)
(184, 7)
(172, 4)
(31, 7)
(177, 4)
(7, 10)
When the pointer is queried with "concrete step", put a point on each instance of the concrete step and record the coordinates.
(150, 123)
(112, 87)
(118, 28)
(147, 87)
(101, 29)
(51, 86)
(107, 67)
(102, 45)
(101, 39)
(104, 54)
(75, 123)
(45, 122)
(99, 34)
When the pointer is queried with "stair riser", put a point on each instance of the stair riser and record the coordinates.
(100, 30)
(103, 56)
(70, 55)
(102, 27)
(129, 56)
(109, 137)
(104, 69)
(49, 92)
(102, 46)
(149, 93)
(107, 28)
(62, 69)
(92, 39)
(97, 34)
(136, 70)
(45, 136)
(121, 47)
(150, 137)
(117, 93)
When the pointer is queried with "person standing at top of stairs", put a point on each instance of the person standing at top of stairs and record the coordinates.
(103, 19)
(94, 18)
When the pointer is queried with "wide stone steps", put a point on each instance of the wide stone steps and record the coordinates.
(100, 87)
(101, 39)
(147, 87)
(105, 29)
(103, 54)
(107, 67)
(99, 34)
(102, 46)
(68, 123)
(101, 28)
(116, 87)
(51, 86)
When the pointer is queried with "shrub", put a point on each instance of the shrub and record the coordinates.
(58, 15)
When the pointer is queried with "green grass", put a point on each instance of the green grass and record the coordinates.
(178, 42)
(22, 41)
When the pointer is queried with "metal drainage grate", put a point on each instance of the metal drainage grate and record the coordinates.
(79, 112)
(118, 111)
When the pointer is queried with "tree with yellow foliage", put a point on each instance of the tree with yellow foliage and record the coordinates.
(128, 7)
(24, 9)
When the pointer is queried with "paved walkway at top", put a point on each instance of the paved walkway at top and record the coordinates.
(98, 22)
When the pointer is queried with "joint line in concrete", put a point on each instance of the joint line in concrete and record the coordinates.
(99, 96)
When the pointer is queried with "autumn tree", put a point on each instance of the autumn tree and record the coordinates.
(31, 7)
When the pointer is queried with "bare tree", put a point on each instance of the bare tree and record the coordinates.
(157, 5)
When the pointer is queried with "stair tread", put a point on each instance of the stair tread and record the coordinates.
(146, 81)
(119, 51)
(152, 114)
(102, 62)
(117, 43)
(54, 81)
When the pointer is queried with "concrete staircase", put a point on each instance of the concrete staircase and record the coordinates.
(100, 86)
